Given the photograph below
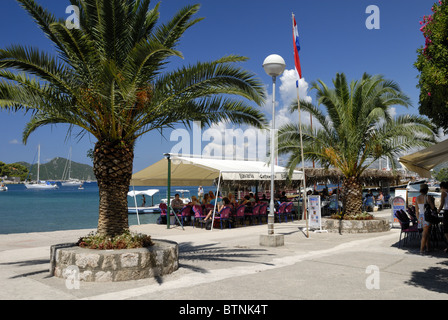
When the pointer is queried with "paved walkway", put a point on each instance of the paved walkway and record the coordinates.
(231, 265)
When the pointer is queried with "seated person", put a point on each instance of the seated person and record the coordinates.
(283, 197)
(205, 200)
(380, 200)
(225, 203)
(215, 199)
(264, 199)
(252, 199)
(194, 201)
(245, 201)
(177, 204)
(232, 200)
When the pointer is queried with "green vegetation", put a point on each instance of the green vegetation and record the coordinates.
(13, 170)
(432, 62)
(355, 128)
(109, 78)
(126, 240)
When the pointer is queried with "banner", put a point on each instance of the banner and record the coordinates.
(398, 203)
(315, 212)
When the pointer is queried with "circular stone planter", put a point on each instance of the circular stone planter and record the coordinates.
(69, 260)
(357, 226)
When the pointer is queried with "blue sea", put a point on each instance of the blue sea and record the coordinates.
(66, 208)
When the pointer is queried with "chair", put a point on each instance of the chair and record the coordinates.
(184, 212)
(263, 212)
(256, 212)
(289, 208)
(412, 214)
(163, 211)
(281, 211)
(224, 215)
(406, 227)
(240, 215)
(198, 215)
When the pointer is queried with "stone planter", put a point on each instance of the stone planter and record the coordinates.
(356, 226)
(68, 260)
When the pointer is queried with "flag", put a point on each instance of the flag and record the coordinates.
(296, 49)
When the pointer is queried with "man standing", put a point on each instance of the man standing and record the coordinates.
(200, 193)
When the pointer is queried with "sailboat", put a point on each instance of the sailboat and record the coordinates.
(69, 182)
(40, 185)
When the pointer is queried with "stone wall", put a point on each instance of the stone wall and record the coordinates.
(114, 265)
(356, 226)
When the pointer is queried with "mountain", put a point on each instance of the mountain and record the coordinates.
(54, 170)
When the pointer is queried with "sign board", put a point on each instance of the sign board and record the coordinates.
(398, 203)
(314, 210)
(402, 193)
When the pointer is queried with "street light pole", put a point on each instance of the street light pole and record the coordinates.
(274, 65)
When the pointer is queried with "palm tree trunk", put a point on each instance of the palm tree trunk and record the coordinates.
(112, 165)
(352, 196)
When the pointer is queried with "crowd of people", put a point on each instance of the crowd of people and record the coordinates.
(208, 200)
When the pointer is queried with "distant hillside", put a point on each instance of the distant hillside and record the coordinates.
(54, 170)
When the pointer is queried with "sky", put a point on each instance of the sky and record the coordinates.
(333, 35)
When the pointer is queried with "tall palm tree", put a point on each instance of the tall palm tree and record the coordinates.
(355, 129)
(109, 79)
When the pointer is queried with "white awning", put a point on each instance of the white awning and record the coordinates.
(192, 171)
(423, 161)
(149, 192)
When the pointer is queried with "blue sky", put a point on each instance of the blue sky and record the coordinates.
(334, 38)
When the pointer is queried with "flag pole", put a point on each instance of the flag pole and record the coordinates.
(305, 198)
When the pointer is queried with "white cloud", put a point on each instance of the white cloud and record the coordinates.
(235, 141)
(14, 141)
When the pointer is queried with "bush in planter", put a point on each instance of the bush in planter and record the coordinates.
(127, 240)
(359, 216)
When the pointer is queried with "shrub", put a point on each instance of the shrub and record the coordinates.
(359, 216)
(126, 240)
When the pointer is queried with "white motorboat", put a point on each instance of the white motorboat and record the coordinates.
(3, 188)
(185, 200)
(40, 185)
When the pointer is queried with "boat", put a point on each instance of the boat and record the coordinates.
(185, 200)
(3, 188)
(40, 185)
(143, 209)
(68, 181)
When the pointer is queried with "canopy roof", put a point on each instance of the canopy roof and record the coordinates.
(149, 192)
(193, 171)
(423, 161)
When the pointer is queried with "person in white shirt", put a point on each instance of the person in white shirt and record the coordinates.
(200, 193)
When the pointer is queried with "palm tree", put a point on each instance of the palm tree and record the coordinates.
(109, 79)
(356, 130)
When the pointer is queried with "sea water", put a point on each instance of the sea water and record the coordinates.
(66, 208)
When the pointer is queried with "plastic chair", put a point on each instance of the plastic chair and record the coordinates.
(184, 212)
(289, 208)
(240, 215)
(224, 215)
(256, 212)
(163, 209)
(198, 215)
(263, 212)
(281, 211)
(406, 226)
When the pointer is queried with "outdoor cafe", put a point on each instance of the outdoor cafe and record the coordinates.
(225, 175)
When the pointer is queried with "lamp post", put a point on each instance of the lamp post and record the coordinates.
(273, 65)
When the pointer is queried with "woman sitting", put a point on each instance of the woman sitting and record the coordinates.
(225, 202)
